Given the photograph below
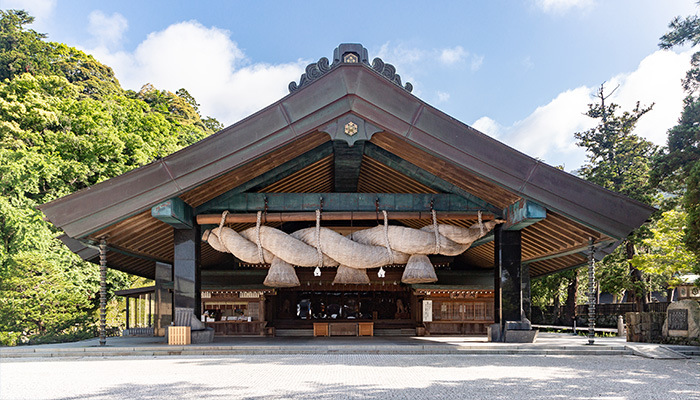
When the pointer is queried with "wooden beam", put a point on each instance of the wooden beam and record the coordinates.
(486, 239)
(295, 202)
(426, 178)
(273, 175)
(581, 248)
(523, 213)
(174, 212)
(213, 219)
(347, 163)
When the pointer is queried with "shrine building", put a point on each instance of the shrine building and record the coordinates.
(350, 206)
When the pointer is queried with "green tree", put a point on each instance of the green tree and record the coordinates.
(21, 50)
(619, 160)
(665, 254)
(677, 168)
(65, 124)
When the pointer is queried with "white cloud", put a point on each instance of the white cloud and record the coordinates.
(107, 30)
(489, 127)
(563, 6)
(207, 63)
(401, 54)
(477, 61)
(443, 97)
(41, 10)
(547, 133)
(412, 62)
(656, 80)
(453, 56)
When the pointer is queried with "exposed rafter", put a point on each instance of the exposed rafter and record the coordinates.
(412, 171)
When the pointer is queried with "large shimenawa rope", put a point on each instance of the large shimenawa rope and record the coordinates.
(369, 248)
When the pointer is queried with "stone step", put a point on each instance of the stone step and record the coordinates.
(656, 352)
(395, 332)
(690, 351)
(294, 332)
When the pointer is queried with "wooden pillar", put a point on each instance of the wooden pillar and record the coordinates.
(163, 298)
(186, 269)
(508, 285)
(527, 292)
(149, 300)
(128, 315)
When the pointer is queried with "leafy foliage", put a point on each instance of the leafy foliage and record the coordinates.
(665, 254)
(619, 160)
(677, 168)
(66, 124)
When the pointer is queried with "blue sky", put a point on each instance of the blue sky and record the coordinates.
(521, 71)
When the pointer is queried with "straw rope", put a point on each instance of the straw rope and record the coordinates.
(368, 248)
(387, 244)
(257, 238)
(481, 224)
(437, 232)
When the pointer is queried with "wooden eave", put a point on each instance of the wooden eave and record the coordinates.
(120, 207)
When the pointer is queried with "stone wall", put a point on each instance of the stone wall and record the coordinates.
(645, 327)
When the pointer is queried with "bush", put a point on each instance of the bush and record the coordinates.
(10, 338)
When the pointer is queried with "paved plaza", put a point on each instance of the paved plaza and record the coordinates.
(351, 376)
(556, 366)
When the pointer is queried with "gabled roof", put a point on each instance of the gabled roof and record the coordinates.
(389, 117)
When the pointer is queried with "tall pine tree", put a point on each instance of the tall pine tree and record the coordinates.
(619, 160)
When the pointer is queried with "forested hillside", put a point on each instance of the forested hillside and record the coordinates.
(66, 124)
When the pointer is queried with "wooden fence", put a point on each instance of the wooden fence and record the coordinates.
(611, 309)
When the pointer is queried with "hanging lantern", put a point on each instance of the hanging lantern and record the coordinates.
(317, 271)
(381, 272)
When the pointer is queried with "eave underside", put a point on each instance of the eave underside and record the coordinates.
(552, 244)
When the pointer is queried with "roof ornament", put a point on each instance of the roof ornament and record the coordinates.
(313, 72)
(389, 72)
(348, 53)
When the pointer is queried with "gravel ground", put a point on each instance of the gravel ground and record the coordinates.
(351, 377)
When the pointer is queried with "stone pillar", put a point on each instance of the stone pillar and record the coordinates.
(509, 269)
(527, 294)
(186, 269)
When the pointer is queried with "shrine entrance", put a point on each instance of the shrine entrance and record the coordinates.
(349, 197)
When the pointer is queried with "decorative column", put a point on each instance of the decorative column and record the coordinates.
(591, 292)
(103, 292)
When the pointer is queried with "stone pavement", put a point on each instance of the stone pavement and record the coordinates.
(546, 344)
(351, 376)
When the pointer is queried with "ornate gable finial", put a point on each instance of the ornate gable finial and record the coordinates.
(348, 53)
(389, 72)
